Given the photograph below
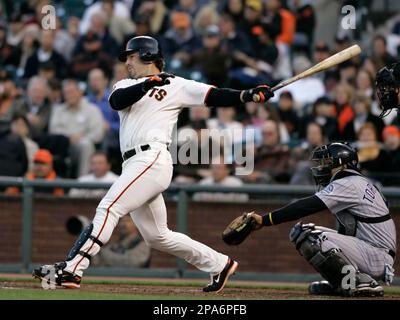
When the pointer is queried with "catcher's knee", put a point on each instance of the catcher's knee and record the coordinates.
(330, 264)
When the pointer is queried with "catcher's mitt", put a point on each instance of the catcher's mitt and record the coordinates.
(239, 229)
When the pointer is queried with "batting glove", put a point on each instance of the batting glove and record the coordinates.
(158, 80)
(259, 94)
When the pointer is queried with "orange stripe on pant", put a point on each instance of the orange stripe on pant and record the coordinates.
(108, 209)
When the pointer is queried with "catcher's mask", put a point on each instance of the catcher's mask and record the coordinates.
(387, 83)
(330, 156)
(148, 48)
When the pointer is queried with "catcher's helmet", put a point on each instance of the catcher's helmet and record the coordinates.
(330, 156)
(148, 48)
(387, 83)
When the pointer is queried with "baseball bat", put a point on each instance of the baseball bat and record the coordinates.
(334, 60)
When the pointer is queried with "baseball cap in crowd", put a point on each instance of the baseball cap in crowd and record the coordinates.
(390, 131)
(43, 156)
(342, 38)
(286, 94)
(322, 46)
(212, 31)
(180, 20)
(256, 5)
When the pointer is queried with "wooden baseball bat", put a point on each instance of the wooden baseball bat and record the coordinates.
(334, 60)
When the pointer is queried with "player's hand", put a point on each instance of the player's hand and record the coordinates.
(259, 94)
(157, 80)
(258, 218)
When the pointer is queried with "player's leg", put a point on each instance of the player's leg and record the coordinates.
(337, 261)
(151, 220)
(134, 187)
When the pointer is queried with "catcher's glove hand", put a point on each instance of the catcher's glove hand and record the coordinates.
(158, 80)
(239, 229)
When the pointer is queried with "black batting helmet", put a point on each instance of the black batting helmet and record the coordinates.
(148, 48)
(330, 156)
(387, 83)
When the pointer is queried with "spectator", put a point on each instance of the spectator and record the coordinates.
(287, 113)
(128, 250)
(252, 16)
(64, 41)
(118, 27)
(235, 9)
(28, 46)
(45, 53)
(271, 158)
(36, 106)
(211, 60)
(99, 96)
(93, 56)
(119, 73)
(380, 55)
(221, 176)
(373, 159)
(365, 83)
(268, 112)
(9, 95)
(207, 16)
(305, 25)
(7, 52)
(362, 114)
(299, 159)
(20, 126)
(323, 113)
(391, 139)
(43, 169)
(344, 113)
(13, 156)
(120, 10)
(80, 121)
(156, 13)
(15, 30)
(100, 172)
(180, 39)
(233, 39)
(189, 6)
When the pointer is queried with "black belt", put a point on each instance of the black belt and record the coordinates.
(130, 153)
(392, 254)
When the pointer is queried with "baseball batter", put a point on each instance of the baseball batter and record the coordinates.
(362, 251)
(148, 105)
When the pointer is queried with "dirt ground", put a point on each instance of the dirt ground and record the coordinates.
(187, 291)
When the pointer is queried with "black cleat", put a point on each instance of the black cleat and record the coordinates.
(56, 275)
(218, 281)
(321, 288)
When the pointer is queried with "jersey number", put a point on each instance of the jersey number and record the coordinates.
(159, 94)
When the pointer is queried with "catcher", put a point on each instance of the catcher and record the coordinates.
(352, 259)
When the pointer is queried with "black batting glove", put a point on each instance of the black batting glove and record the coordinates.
(259, 94)
(157, 80)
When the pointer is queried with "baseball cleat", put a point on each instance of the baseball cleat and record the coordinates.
(57, 276)
(218, 281)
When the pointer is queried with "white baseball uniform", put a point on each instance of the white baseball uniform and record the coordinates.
(147, 174)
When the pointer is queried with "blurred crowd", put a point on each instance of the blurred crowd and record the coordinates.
(54, 88)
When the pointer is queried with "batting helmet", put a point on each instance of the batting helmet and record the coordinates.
(330, 156)
(387, 82)
(148, 48)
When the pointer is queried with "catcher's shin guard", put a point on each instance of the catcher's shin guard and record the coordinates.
(85, 235)
(332, 265)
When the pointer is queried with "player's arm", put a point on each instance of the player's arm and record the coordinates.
(291, 212)
(225, 97)
(125, 97)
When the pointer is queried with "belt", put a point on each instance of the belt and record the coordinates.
(130, 153)
(392, 254)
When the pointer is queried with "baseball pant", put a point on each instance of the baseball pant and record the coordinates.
(367, 258)
(138, 192)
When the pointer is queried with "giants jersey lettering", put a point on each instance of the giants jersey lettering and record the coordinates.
(153, 117)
